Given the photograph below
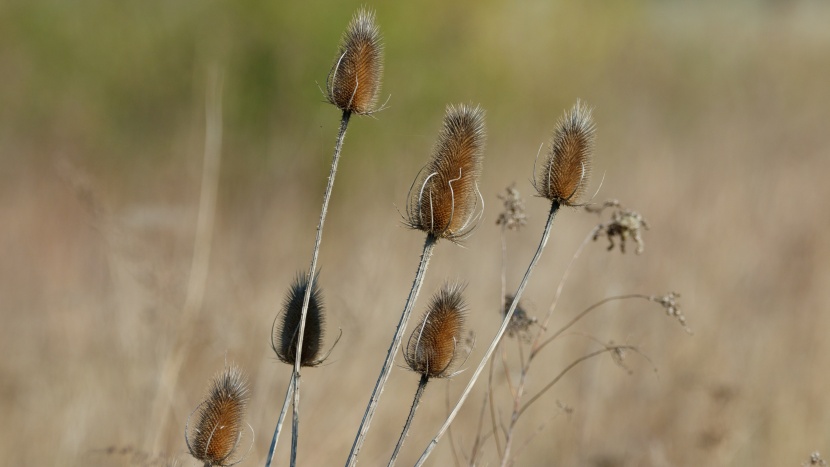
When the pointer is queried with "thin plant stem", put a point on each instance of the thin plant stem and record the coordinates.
(545, 235)
(456, 461)
(561, 285)
(490, 397)
(199, 266)
(491, 400)
(288, 392)
(478, 439)
(429, 245)
(582, 315)
(421, 385)
(568, 368)
(295, 427)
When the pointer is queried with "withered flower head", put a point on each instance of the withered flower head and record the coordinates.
(436, 343)
(444, 200)
(353, 83)
(220, 419)
(564, 175)
(284, 334)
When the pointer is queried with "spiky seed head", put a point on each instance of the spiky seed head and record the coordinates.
(444, 200)
(286, 330)
(564, 175)
(436, 343)
(220, 418)
(353, 83)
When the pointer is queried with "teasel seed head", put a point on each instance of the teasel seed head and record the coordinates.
(436, 343)
(444, 199)
(353, 83)
(564, 175)
(287, 326)
(220, 419)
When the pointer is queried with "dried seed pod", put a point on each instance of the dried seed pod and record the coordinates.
(220, 423)
(444, 201)
(564, 175)
(284, 334)
(353, 83)
(435, 344)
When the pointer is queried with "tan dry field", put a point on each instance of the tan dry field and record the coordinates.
(712, 122)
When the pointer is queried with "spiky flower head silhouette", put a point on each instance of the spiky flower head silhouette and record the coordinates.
(444, 199)
(564, 175)
(286, 327)
(353, 83)
(220, 419)
(436, 343)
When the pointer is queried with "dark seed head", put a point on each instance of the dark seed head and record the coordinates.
(353, 84)
(564, 175)
(444, 200)
(220, 419)
(435, 344)
(286, 330)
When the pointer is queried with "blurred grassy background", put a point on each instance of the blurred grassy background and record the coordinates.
(712, 122)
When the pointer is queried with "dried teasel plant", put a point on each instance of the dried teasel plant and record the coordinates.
(562, 181)
(285, 332)
(446, 202)
(445, 205)
(220, 420)
(567, 167)
(435, 346)
(353, 84)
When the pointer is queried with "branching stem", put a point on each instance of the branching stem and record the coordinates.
(545, 235)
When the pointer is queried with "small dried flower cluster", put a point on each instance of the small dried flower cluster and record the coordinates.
(445, 202)
(815, 459)
(284, 335)
(437, 342)
(353, 84)
(520, 322)
(513, 216)
(669, 302)
(625, 224)
(220, 419)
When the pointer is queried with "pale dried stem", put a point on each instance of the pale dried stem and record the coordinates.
(429, 244)
(561, 285)
(278, 429)
(422, 384)
(200, 262)
(576, 362)
(580, 316)
(295, 427)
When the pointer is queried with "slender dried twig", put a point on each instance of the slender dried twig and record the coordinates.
(201, 257)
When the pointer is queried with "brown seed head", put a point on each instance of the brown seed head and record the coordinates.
(220, 419)
(565, 173)
(284, 334)
(353, 83)
(435, 344)
(444, 198)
